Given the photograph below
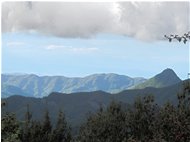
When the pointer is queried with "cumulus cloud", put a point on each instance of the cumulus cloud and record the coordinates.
(62, 19)
(151, 20)
(142, 20)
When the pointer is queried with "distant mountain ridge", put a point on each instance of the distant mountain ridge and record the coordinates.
(166, 78)
(39, 86)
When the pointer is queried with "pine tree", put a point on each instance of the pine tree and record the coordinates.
(27, 125)
(141, 118)
(105, 126)
(62, 132)
(46, 128)
(36, 133)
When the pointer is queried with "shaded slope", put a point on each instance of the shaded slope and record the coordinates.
(9, 90)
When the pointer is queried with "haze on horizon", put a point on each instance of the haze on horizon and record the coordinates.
(79, 39)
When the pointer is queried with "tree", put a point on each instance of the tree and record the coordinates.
(62, 132)
(46, 128)
(183, 113)
(10, 130)
(27, 125)
(173, 122)
(36, 132)
(105, 126)
(141, 119)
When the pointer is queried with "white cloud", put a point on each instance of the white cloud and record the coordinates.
(142, 20)
(84, 50)
(53, 47)
(151, 20)
(71, 49)
(57, 18)
(15, 43)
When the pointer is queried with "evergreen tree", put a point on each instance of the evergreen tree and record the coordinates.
(141, 118)
(183, 112)
(62, 132)
(27, 125)
(46, 128)
(36, 132)
(105, 126)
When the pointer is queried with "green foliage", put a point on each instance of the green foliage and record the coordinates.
(36, 132)
(46, 128)
(26, 126)
(9, 128)
(62, 132)
(141, 118)
(47, 123)
(105, 126)
(173, 123)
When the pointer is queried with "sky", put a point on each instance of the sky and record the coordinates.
(79, 39)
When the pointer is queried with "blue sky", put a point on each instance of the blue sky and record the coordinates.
(78, 39)
(103, 53)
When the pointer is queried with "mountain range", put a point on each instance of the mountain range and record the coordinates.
(88, 93)
(32, 85)
(77, 106)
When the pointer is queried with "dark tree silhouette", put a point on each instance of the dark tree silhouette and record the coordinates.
(62, 132)
(26, 127)
(185, 37)
(46, 127)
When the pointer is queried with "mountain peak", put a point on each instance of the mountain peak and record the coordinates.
(166, 78)
(168, 70)
(168, 74)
